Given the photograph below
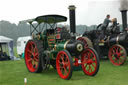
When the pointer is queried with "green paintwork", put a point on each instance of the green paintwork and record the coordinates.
(60, 46)
(54, 46)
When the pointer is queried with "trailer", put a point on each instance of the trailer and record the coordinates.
(21, 43)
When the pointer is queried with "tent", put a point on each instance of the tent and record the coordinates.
(9, 42)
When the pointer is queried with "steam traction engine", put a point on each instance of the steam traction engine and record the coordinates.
(115, 44)
(53, 45)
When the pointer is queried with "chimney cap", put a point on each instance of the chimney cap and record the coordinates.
(123, 10)
(71, 7)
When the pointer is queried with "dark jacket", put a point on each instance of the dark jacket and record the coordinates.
(106, 22)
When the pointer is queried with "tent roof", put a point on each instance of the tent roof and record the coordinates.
(4, 39)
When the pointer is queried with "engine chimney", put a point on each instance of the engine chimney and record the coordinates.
(72, 18)
(124, 19)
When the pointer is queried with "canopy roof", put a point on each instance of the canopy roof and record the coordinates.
(48, 19)
(4, 39)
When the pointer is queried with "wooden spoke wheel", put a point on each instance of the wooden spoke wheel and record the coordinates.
(33, 56)
(90, 62)
(117, 55)
(87, 42)
(64, 64)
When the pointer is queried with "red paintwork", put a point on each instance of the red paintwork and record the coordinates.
(84, 41)
(51, 39)
(76, 62)
(58, 36)
(63, 65)
(31, 56)
(89, 62)
(115, 54)
(59, 29)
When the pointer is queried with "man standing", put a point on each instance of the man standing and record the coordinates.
(106, 22)
(104, 26)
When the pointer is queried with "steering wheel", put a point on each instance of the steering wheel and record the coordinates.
(99, 28)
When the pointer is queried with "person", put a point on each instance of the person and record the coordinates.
(106, 22)
(104, 27)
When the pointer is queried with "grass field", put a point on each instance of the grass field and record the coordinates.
(14, 72)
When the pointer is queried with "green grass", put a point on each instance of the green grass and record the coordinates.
(15, 52)
(14, 72)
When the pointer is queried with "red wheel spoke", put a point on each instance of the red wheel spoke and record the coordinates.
(29, 51)
(33, 64)
(36, 54)
(32, 56)
(65, 71)
(31, 47)
(115, 59)
(29, 60)
(62, 57)
(93, 65)
(85, 66)
(90, 68)
(36, 59)
(113, 51)
(117, 55)
(89, 55)
(60, 62)
(34, 49)
(66, 60)
(64, 65)
(89, 65)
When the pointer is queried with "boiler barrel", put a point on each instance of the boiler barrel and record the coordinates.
(119, 39)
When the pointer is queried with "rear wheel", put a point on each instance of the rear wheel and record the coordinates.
(87, 42)
(90, 62)
(64, 64)
(117, 55)
(33, 54)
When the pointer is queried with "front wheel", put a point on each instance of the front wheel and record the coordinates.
(64, 64)
(90, 62)
(117, 55)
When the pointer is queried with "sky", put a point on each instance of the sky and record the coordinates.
(88, 12)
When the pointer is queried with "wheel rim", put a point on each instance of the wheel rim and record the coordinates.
(31, 56)
(117, 55)
(63, 65)
(84, 41)
(89, 62)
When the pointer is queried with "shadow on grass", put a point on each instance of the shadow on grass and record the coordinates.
(76, 75)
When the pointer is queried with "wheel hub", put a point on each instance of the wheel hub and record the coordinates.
(89, 61)
(116, 56)
(32, 56)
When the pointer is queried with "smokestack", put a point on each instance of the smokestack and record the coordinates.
(123, 9)
(72, 18)
(124, 19)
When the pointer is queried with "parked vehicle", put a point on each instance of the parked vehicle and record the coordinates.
(53, 45)
(115, 42)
